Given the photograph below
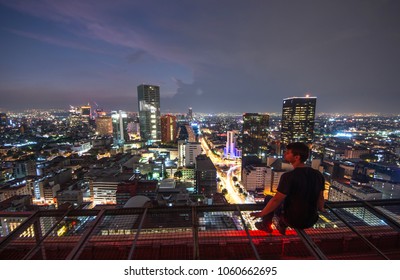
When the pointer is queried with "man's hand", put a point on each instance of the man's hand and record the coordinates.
(255, 215)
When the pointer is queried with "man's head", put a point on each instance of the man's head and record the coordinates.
(299, 149)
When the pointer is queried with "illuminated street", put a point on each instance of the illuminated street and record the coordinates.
(233, 196)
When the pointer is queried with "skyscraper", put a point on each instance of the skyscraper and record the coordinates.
(104, 125)
(206, 176)
(149, 112)
(190, 114)
(86, 112)
(168, 128)
(255, 135)
(298, 118)
(120, 127)
(230, 150)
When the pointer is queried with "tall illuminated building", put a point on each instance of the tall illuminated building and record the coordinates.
(190, 114)
(86, 112)
(168, 128)
(104, 125)
(149, 112)
(254, 137)
(205, 176)
(120, 127)
(230, 150)
(298, 119)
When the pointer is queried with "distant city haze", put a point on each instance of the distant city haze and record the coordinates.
(213, 56)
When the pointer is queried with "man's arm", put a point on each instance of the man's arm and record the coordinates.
(275, 201)
(321, 201)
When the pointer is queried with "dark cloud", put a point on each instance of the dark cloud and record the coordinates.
(136, 56)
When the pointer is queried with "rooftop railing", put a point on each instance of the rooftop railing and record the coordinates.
(347, 230)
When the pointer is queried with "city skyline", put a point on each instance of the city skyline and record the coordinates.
(207, 55)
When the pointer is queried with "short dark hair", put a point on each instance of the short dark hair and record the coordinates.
(299, 149)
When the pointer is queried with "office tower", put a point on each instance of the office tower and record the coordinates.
(230, 149)
(120, 127)
(181, 153)
(187, 153)
(104, 125)
(168, 129)
(190, 114)
(298, 118)
(255, 135)
(86, 112)
(149, 112)
(192, 150)
(206, 176)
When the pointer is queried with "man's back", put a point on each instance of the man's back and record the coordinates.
(302, 187)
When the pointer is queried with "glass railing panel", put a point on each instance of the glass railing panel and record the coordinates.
(64, 237)
(166, 233)
(20, 245)
(338, 241)
(222, 235)
(113, 236)
(9, 224)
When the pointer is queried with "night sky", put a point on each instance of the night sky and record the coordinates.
(214, 56)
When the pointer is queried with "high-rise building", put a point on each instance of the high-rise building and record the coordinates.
(168, 129)
(187, 153)
(120, 127)
(230, 150)
(190, 114)
(255, 135)
(206, 176)
(104, 125)
(149, 112)
(192, 150)
(298, 118)
(86, 112)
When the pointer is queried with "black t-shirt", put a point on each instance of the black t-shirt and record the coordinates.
(302, 187)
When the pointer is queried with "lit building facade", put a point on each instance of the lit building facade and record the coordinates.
(187, 153)
(206, 176)
(190, 114)
(120, 127)
(230, 150)
(168, 129)
(149, 112)
(86, 112)
(104, 125)
(298, 119)
(192, 150)
(254, 137)
(254, 177)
